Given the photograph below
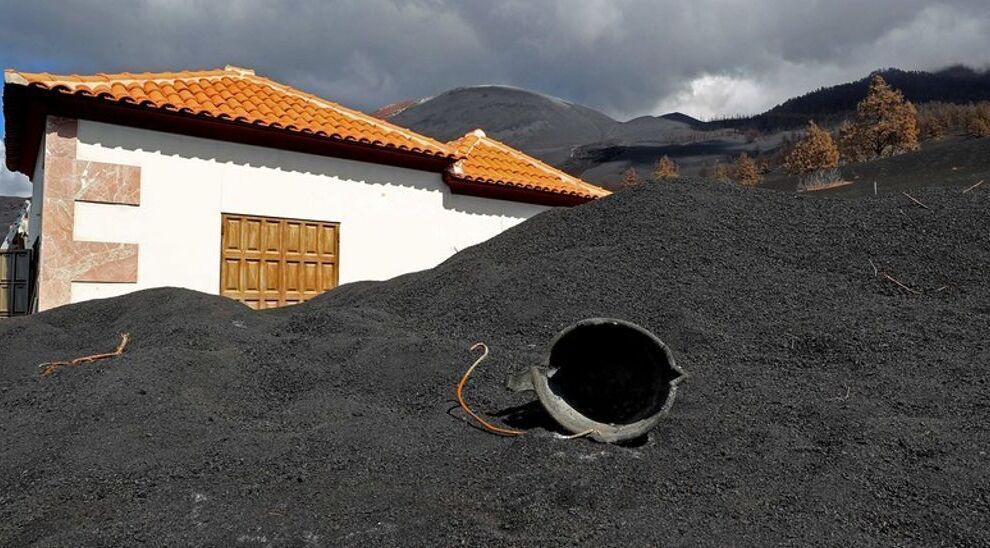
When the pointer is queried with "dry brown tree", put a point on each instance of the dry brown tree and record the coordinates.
(886, 124)
(978, 127)
(716, 171)
(937, 119)
(629, 178)
(747, 172)
(665, 169)
(981, 111)
(720, 172)
(931, 127)
(816, 151)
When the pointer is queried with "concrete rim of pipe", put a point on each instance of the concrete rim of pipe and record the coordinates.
(609, 379)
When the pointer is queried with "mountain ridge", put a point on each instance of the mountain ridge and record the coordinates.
(592, 145)
(953, 84)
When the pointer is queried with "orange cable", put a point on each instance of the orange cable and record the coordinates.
(460, 398)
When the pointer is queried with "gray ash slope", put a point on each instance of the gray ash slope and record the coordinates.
(948, 162)
(824, 404)
(10, 206)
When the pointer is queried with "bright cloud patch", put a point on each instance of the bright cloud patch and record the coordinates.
(12, 184)
(710, 96)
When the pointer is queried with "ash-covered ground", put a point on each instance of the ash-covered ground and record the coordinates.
(10, 207)
(826, 404)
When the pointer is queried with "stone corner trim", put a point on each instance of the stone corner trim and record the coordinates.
(64, 260)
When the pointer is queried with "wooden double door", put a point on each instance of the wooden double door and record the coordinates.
(268, 262)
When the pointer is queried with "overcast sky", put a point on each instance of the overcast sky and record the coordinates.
(625, 57)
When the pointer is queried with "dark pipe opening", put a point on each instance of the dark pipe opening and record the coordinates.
(611, 373)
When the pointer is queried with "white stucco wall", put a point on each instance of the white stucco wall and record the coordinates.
(37, 189)
(392, 220)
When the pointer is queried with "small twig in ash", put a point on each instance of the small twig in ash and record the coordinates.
(943, 288)
(899, 284)
(876, 272)
(915, 200)
(974, 186)
(49, 367)
(841, 398)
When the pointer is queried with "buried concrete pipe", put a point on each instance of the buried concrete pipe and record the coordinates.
(608, 379)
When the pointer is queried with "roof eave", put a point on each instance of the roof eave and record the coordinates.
(22, 136)
(460, 185)
(25, 108)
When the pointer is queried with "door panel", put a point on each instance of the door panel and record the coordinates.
(328, 276)
(251, 235)
(271, 242)
(328, 240)
(292, 237)
(267, 262)
(271, 275)
(232, 233)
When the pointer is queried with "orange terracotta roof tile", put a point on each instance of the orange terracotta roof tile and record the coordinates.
(485, 160)
(239, 95)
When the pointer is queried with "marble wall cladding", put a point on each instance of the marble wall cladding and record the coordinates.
(64, 260)
(108, 183)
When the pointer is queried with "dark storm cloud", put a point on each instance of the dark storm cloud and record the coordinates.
(626, 57)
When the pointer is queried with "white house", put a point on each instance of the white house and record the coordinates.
(226, 182)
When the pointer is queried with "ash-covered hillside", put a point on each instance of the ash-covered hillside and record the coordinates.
(554, 130)
(838, 393)
(590, 144)
(10, 206)
(543, 126)
(958, 84)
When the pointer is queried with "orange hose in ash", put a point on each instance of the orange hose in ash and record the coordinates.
(460, 398)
